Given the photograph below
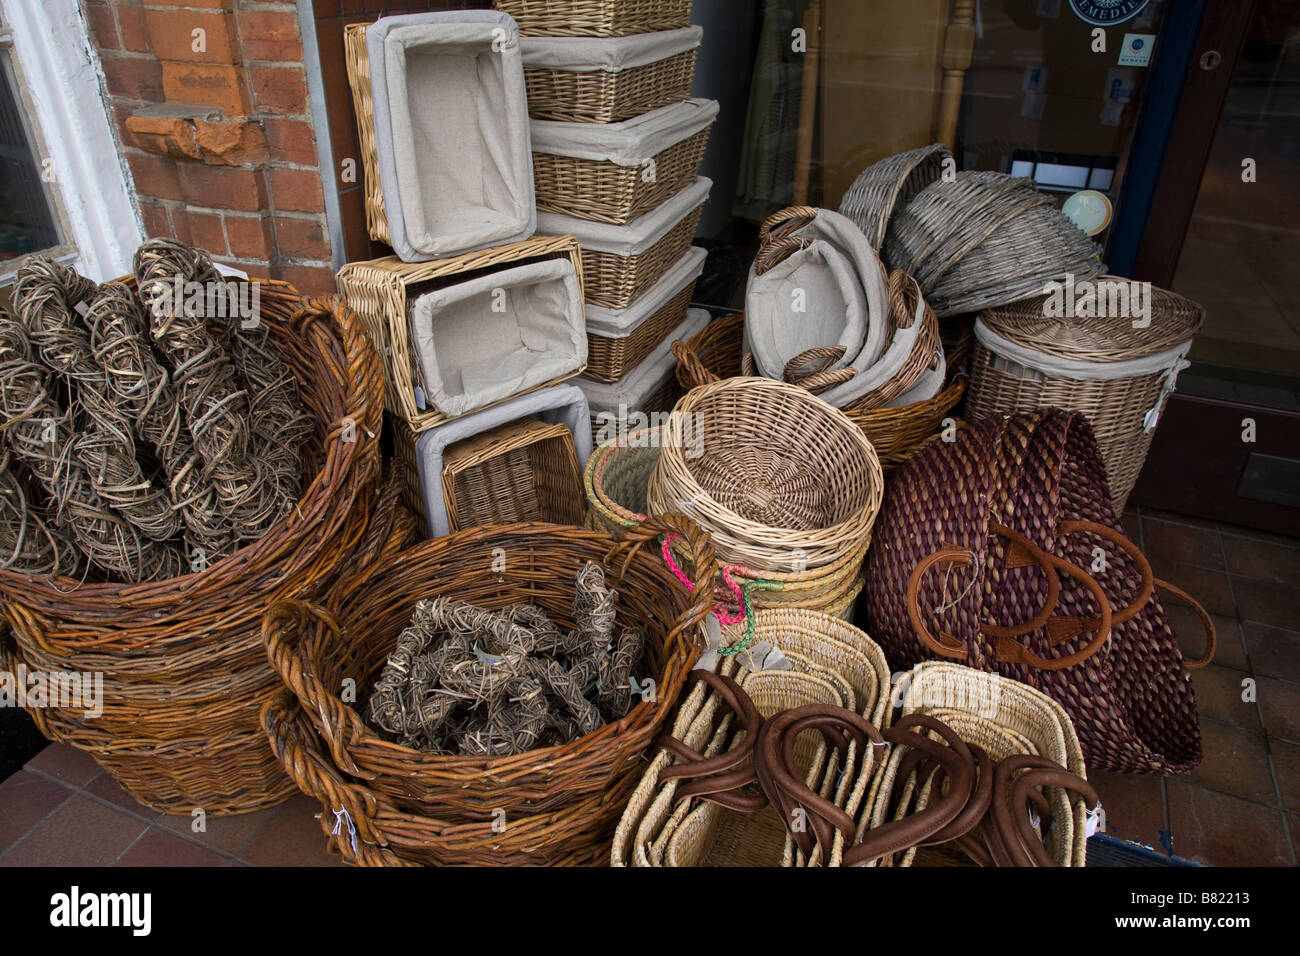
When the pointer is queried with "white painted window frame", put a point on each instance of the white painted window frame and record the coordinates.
(62, 80)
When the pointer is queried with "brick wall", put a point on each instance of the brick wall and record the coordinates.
(210, 102)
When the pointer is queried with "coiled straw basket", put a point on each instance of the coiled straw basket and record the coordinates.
(183, 668)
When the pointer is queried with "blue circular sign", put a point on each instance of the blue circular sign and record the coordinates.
(1105, 13)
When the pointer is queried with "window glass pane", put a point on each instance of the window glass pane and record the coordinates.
(26, 220)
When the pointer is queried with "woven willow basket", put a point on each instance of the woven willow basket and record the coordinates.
(596, 18)
(381, 290)
(889, 185)
(609, 359)
(607, 97)
(1004, 717)
(181, 661)
(833, 663)
(896, 433)
(615, 282)
(1118, 376)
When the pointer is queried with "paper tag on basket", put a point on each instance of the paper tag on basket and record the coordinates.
(1151, 419)
(764, 656)
(230, 272)
(1093, 823)
(420, 402)
(713, 640)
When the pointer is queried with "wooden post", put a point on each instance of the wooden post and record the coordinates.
(958, 43)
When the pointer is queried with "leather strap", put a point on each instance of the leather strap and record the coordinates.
(1211, 637)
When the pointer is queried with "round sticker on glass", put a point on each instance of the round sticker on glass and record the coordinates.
(1104, 13)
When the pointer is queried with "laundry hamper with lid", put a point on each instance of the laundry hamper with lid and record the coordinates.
(604, 80)
(596, 18)
(560, 803)
(617, 171)
(619, 263)
(442, 119)
(1001, 549)
(617, 340)
(1117, 374)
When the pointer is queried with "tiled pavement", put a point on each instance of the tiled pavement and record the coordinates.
(1240, 807)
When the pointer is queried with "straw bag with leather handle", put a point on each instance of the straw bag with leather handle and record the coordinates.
(1001, 550)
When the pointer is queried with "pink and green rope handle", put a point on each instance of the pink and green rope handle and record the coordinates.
(740, 594)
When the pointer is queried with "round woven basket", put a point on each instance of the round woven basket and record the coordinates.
(896, 433)
(889, 185)
(181, 659)
(315, 649)
(1118, 370)
(783, 481)
(985, 240)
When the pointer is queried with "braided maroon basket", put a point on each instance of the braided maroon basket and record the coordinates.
(1129, 695)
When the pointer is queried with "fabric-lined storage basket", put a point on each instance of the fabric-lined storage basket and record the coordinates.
(509, 460)
(385, 293)
(648, 388)
(889, 185)
(985, 240)
(1002, 550)
(618, 340)
(799, 658)
(604, 80)
(896, 432)
(1119, 370)
(619, 263)
(1004, 717)
(442, 119)
(399, 805)
(183, 673)
(613, 173)
(596, 18)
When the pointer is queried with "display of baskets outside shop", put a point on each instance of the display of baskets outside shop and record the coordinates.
(619, 263)
(716, 354)
(1118, 368)
(385, 292)
(1001, 549)
(604, 80)
(617, 341)
(984, 240)
(442, 122)
(670, 821)
(887, 186)
(400, 805)
(596, 18)
(181, 659)
(615, 172)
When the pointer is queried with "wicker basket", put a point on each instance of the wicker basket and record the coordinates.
(986, 240)
(1004, 717)
(1117, 375)
(783, 481)
(184, 674)
(596, 18)
(619, 341)
(381, 291)
(896, 433)
(619, 263)
(889, 185)
(630, 169)
(833, 663)
(417, 804)
(604, 80)
(499, 208)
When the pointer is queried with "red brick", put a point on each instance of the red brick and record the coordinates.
(205, 4)
(291, 141)
(205, 84)
(250, 237)
(131, 26)
(311, 280)
(103, 28)
(171, 34)
(223, 187)
(206, 232)
(154, 176)
(156, 221)
(269, 36)
(136, 78)
(255, 270)
(238, 143)
(181, 223)
(279, 89)
(165, 135)
(297, 190)
(302, 239)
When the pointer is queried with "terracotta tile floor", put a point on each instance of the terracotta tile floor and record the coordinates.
(1240, 807)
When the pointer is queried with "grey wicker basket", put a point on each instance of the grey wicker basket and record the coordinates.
(889, 185)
